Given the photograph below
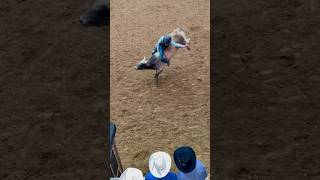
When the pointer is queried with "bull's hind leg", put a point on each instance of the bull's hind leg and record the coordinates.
(156, 76)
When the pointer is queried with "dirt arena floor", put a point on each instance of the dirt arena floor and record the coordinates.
(176, 113)
(266, 90)
(52, 92)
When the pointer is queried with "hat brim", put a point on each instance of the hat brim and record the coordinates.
(190, 167)
(154, 171)
(129, 173)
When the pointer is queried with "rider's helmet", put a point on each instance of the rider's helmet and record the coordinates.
(166, 40)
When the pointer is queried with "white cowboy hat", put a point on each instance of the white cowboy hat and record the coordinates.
(159, 164)
(131, 174)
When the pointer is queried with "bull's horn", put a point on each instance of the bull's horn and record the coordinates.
(144, 59)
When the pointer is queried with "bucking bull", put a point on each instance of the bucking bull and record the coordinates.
(155, 63)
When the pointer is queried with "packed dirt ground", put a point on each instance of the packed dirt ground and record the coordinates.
(151, 118)
(52, 92)
(265, 96)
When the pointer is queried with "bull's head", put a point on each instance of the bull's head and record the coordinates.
(141, 64)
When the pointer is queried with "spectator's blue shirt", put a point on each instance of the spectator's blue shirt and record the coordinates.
(199, 173)
(169, 176)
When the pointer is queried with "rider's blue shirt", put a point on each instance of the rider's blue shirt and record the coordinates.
(160, 47)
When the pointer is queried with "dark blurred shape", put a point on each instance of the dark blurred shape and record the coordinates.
(98, 15)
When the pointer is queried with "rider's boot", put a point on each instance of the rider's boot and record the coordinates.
(166, 61)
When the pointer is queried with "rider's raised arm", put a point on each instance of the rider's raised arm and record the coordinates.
(177, 45)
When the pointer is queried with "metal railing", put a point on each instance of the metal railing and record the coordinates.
(115, 165)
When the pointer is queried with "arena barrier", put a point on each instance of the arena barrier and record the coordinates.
(115, 163)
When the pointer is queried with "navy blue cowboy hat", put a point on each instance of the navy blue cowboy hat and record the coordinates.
(185, 159)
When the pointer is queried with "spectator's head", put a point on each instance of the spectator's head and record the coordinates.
(131, 174)
(159, 164)
(185, 159)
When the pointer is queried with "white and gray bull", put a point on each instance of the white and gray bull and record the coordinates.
(154, 62)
